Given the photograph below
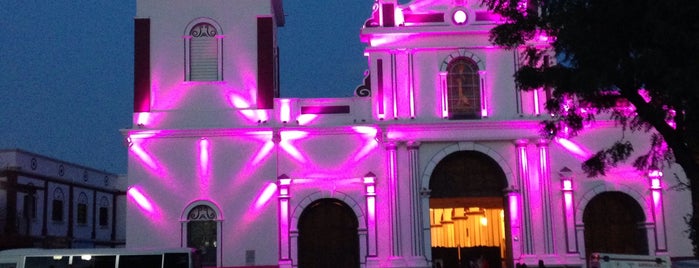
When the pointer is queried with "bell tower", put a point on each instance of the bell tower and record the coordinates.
(197, 63)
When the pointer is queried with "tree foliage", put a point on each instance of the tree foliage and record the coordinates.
(634, 60)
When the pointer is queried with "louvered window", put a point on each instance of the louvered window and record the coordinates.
(203, 52)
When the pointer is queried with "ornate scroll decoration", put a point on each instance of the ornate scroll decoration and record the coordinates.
(203, 30)
(365, 89)
(201, 213)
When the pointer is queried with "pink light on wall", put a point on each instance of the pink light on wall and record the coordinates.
(656, 189)
(305, 119)
(444, 94)
(370, 193)
(398, 16)
(143, 118)
(262, 153)
(143, 202)
(143, 156)
(370, 141)
(238, 102)
(573, 148)
(140, 199)
(286, 138)
(535, 93)
(284, 110)
(514, 209)
(204, 165)
(246, 110)
(265, 195)
(283, 182)
(412, 89)
(568, 209)
(655, 176)
(484, 97)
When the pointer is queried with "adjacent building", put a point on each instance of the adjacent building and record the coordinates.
(436, 162)
(50, 203)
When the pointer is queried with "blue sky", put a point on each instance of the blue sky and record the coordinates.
(66, 69)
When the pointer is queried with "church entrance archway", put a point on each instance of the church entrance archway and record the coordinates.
(328, 235)
(469, 221)
(614, 224)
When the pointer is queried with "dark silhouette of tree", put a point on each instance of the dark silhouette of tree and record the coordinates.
(634, 60)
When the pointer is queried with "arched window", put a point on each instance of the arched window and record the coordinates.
(463, 89)
(30, 204)
(203, 51)
(104, 212)
(57, 205)
(202, 233)
(82, 208)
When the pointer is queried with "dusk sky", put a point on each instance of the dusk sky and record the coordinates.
(66, 69)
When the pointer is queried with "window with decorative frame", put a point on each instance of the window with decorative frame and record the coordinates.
(203, 51)
(463, 89)
(82, 209)
(57, 205)
(104, 212)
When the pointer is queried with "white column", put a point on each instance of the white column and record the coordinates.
(394, 85)
(545, 188)
(393, 196)
(370, 195)
(416, 223)
(568, 210)
(515, 210)
(411, 83)
(523, 184)
(656, 189)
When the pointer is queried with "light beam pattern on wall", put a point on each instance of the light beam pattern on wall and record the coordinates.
(287, 137)
(204, 166)
(370, 141)
(141, 201)
(573, 148)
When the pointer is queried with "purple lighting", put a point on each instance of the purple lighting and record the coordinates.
(656, 188)
(143, 156)
(143, 119)
(140, 200)
(285, 143)
(266, 195)
(514, 210)
(204, 164)
(573, 147)
(285, 110)
(370, 143)
(262, 153)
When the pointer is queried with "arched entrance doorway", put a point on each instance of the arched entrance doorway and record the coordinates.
(328, 235)
(468, 217)
(613, 224)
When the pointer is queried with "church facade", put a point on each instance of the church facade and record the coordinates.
(437, 161)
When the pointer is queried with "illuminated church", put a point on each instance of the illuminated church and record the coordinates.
(437, 161)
